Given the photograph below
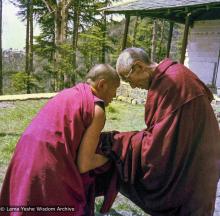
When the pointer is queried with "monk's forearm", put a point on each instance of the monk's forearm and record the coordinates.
(99, 160)
(90, 163)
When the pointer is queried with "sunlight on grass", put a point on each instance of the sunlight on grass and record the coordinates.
(8, 143)
(14, 119)
(125, 117)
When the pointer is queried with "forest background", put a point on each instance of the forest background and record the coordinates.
(74, 36)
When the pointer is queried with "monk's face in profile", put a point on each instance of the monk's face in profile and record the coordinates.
(107, 90)
(110, 91)
(139, 76)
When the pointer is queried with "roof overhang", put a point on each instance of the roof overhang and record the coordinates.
(170, 10)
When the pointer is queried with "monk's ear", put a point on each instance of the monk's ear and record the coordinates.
(139, 65)
(101, 84)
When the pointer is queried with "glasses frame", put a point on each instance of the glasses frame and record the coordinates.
(126, 77)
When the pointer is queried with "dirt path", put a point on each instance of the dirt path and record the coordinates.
(27, 97)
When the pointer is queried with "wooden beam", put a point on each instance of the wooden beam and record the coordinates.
(127, 21)
(185, 38)
(169, 39)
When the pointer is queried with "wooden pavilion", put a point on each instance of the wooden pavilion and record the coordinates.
(202, 23)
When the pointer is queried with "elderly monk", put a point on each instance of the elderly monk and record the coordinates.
(53, 159)
(171, 167)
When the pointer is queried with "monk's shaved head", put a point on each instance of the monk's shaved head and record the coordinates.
(104, 82)
(102, 71)
(128, 57)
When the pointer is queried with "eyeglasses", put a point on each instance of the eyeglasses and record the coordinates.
(126, 77)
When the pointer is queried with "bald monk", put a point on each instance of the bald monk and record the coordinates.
(55, 154)
(171, 167)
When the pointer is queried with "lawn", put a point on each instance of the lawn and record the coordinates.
(15, 116)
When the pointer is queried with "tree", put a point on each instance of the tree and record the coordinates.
(135, 31)
(163, 31)
(82, 17)
(27, 66)
(154, 41)
(31, 36)
(73, 40)
(75, 37)
(59, 9)
(26, 13)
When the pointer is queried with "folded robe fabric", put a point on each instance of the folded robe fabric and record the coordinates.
(172, 166)
(43, 171)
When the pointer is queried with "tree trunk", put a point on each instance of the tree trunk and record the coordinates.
(1, 75)
(161, 41)
(103, 29)
(135, 31)
(60, 10)
(58, 42)
(75, 38)
(31, 67)
(154, 40)
(170, 34)
(64, 20)
(127, 22)
(27, 66)
(103, 39)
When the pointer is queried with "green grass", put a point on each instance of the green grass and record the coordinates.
(124, 117)
(16, 117)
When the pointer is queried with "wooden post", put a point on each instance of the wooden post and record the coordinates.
(127, 21)
(169, 39)
(185, 38)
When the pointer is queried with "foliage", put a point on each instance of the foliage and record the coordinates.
(144, 34)
(58, 59)
(19, 81)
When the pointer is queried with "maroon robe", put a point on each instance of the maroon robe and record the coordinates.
(43, 169)
(172, 167)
